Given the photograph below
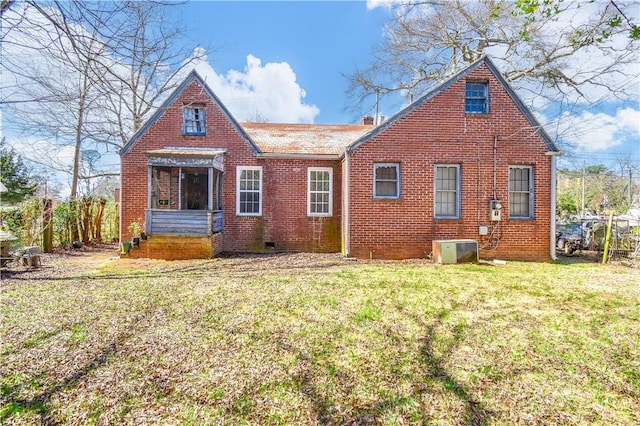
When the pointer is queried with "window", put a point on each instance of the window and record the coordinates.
(193, 120)
(249, 191)
(185, 188)
(386, 181)
(476, 99)
(447, 191)
(520, 192)
(319, 184)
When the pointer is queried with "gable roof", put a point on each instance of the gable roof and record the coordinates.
(550, 144)
(304, 139)
(193, 76)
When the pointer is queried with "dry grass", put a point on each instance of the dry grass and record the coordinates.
(315, 339)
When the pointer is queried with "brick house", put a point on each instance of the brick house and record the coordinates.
(465, 161)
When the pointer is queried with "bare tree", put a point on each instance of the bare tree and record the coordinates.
(140, 56)
(557, 51)
(87, 74)
(50, 88)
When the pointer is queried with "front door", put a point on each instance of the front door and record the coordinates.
(195, 190)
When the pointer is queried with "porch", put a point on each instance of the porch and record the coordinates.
(188, 223)
(185, 192)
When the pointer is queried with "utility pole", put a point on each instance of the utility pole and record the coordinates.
(630, 185)
(377, 106)
(584, 170)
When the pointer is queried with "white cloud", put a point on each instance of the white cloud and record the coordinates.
(589, 132)
(266, 92)
(372, 4)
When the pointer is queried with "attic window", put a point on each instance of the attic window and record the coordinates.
(476, 98)
(193, 120)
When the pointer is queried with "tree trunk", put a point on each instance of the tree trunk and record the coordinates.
(85, 214)
(98, 220)
(47, 220)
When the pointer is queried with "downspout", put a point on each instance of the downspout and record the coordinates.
(147, 211)
(345, 205)
(552, 234)
(495, 166)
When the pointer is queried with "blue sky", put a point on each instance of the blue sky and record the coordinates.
(284, 61)
(321, 41)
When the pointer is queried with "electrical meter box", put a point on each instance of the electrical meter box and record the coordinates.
(455, 251)
(496, 211)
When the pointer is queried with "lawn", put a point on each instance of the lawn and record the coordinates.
(316, 339)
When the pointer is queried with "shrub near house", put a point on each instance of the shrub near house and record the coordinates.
(437, 170)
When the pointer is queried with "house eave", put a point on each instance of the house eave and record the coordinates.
(187, 157)
(293, 156)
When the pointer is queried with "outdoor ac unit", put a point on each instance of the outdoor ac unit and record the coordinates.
(455, 251)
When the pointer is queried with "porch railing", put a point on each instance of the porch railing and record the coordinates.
(192, 223)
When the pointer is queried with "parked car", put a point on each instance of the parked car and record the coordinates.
(569, 237)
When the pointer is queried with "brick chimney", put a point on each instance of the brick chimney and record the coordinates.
(367, 120)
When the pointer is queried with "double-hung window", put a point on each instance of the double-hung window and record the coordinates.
(249, 191)
(193, 119)
(447, 191)
(520, 192)
(319, 193)
(386, 180)
(476, 98)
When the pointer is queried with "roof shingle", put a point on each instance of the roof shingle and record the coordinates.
(278, 138)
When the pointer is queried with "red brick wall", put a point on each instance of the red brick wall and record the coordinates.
(285, 210)
(439, 131)
(167, 131)
(173, 248)
(284, 221)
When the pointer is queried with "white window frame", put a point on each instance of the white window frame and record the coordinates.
(457, 191)
(190, 122)
(530, 194)
(328, 170)
(239, 171)
(376, 166)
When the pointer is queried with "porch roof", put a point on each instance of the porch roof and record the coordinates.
(179, 156)
(304, 139)
(186, 152)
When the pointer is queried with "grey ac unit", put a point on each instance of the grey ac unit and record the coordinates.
(455, 251)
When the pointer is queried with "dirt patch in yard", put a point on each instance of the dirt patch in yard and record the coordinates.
(105, 258)
(68, 262)
(63, 262)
